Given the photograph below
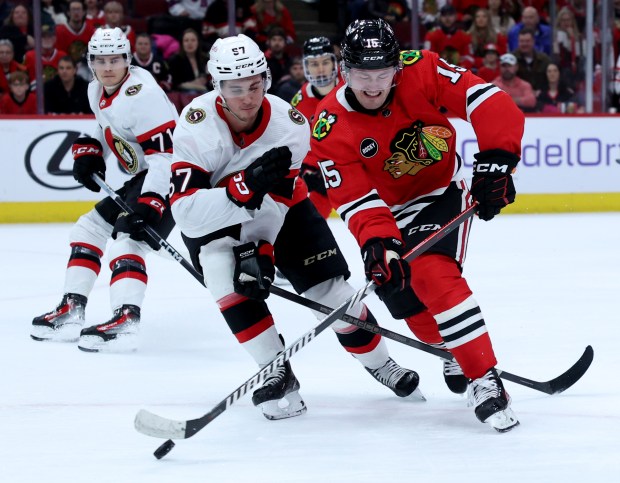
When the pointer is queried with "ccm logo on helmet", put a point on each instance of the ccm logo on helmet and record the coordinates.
(490, 168)
(243, 66)
(373, 57)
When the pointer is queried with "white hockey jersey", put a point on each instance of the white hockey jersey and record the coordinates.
(207, 153)
(136, 124)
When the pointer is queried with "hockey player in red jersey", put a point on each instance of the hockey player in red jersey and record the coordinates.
(136, 121)
(242, 209)
(389, 159)
(321, 70)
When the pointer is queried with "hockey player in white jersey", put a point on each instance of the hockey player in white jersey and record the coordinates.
(242, 209)
(136, 124)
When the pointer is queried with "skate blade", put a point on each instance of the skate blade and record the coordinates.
(503, 421)
(121, 344)
(66, 333)
(415, 396)
(289, 406)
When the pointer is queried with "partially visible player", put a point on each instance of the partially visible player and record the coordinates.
(242, 209)
(389, 159)
(136, 124)
(321, 71)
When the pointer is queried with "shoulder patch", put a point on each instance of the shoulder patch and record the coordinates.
(296, 116)
(133, 90)
(194, 116)
(296, 99)
(323, 125)
(410, 57)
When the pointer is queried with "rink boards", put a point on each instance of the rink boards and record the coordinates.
(569, 164)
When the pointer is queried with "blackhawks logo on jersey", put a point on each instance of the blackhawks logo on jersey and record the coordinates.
(296, 99)
(415, 148)
(410, 57)
(323, 125)
(133, 90)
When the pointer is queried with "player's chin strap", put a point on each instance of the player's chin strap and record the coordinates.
(225, 106)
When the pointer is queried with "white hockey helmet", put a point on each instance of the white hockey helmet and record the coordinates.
(107, 41)
(237, 57)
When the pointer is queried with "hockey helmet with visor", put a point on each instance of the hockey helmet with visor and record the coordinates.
(320, 63)
(104, 47)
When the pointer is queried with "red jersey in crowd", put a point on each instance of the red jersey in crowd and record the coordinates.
(9, 106)
(50, 64)
(4, 82)
(454, 47)
(72, 42)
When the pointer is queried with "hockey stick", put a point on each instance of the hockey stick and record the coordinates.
(553, 386)
(157, 426)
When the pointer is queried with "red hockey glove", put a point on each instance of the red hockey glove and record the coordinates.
(313, 178)
(148, 211)
(492, 185)
(254, 269)
(88, 160)
(248, 187)
(383, 265)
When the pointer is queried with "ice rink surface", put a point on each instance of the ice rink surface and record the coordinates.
(548, 286)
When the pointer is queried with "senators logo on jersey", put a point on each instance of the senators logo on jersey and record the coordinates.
(415, 148)
(296, 116)
(323, 125)
(133, 90)
(123, 151)
(194, 116)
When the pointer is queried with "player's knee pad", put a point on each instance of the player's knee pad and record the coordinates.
(355, 339)
(332, 293)
(91, 229)
(247, 318)
(85, 256)
(124, 247)
(424, 327)
(218, 266)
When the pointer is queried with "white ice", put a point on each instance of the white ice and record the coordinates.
(548, 286)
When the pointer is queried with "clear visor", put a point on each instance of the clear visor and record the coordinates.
(102, 63)
(244, 87)
(321, 70)
(371, 79)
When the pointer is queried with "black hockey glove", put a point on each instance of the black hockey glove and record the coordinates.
(248, 187)
(492, 185)
(148, 211)
(88, 160)
(254, 270)
(383, 265)
(313, 178)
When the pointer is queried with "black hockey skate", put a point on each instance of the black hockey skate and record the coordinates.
(62, 324)
(492, 402)
(404, 382)
(119, 334)
(279, 396)
(453, 375)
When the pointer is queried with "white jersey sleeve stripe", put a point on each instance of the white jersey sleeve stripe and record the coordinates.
(477, 94)
(366, 202)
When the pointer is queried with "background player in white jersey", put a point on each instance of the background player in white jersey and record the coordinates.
(136, 122)
(242, 208)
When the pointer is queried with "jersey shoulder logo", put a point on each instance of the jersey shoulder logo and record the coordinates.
(323, 125)
(194, 116)
(297, 98)
(296, 116)
(415, 148)
(133, 90)
(410, 57)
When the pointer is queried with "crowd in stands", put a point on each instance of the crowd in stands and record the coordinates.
(514, 44)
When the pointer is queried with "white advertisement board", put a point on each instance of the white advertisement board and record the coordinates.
(560, 155)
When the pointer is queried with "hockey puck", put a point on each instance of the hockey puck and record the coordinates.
(164, 449)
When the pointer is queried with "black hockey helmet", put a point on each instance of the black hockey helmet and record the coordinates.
(316, 46)
(370, 44)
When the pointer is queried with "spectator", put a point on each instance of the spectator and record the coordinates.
(392, 11)
(18, 29)
(521, 91)
(189, 67)
(489, 69)
(94, 13)
(428, 11)
(569, 47)
(145, 57)
(532, 64)
(452, 43)
(5, 9)
(270, 14)
(277, 58)
(292, 82)
(578, 7)
(66, 92)
(500, 18)
(466, 9)
(74, 36)
(482, 33)
(8, 64)
(194, 9)
(555, 95)
(50, 55)
(531, 21)
(114, 15)
(215, 23)
(55, 9)
(19, 100)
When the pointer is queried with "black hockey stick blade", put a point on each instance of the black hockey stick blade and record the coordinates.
(560, 383)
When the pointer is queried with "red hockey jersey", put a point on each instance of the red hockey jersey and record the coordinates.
(375, 165)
